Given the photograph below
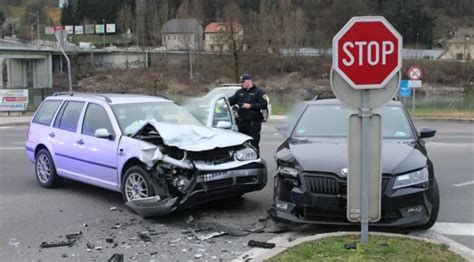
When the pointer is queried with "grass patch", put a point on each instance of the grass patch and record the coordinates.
(379, 248)
(441, 113)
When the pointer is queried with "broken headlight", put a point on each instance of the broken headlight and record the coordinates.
(410, 179)
(246, 154)
(290, 174)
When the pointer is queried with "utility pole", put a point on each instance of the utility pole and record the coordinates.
(416, 45)
(37, 25)
(103, 35)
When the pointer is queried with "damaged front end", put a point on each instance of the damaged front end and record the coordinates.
(190, 165)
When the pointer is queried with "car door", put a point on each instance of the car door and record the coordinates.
(64, 137)
(221, 115)
(98, 155)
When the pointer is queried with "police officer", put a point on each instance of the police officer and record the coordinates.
(250, 100)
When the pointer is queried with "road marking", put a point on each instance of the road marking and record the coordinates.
(18, 142)
(454, 229)
(12, 148)
(440, 144)
(5, 127)
(464, 184)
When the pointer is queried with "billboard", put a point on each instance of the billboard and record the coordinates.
(78, 30)
(90, 29)
(69, 29)
(99, 29)
(13, 99)
(49, 30)
(110, 28)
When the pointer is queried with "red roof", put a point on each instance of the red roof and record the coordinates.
(212, 27)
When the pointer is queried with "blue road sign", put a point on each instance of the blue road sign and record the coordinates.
(405, 90)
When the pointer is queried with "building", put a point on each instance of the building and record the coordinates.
(217, 36)
(181, 34)
(460, 46)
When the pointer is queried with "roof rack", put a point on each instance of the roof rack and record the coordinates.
(106, 98)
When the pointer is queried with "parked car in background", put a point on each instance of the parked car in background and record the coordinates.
(230, 89)
(148, 148)
(310, 184)
(86, 45)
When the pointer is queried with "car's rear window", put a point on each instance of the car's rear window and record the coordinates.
(45, 113)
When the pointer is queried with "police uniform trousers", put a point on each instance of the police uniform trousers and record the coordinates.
(252, 129)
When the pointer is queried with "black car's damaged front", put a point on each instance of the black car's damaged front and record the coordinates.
(310, 184)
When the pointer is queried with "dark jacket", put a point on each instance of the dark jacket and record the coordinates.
(254, 97)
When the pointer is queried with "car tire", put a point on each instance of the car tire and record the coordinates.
(265, 115)
(46, 170)
(136, 184)
(434, 210)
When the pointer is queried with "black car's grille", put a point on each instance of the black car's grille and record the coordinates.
(216, 156)
(323, 185)
(328, 184)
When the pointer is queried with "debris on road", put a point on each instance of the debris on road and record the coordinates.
(71, 239)
(64, 255)
(113, 208)
(254, 243)
(350, 246)
(14, 242)
(109, 240)
(145, 236)
(116, 258)
(89, 245)
(197, 256)
(190, 219)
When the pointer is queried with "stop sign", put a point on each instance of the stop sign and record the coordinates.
(367, 52)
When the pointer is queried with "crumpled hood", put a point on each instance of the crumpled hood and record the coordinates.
(331, 155)
(195, 138)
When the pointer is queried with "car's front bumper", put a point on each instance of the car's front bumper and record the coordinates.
(405, 207)
(209, 186)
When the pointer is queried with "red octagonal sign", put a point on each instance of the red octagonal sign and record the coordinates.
(367, 52)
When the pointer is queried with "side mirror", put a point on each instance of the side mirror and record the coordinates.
(283, 129)
(103, 133)
(224, 125)
(427, 132)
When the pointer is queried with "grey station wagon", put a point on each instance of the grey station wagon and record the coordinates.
(148, 148)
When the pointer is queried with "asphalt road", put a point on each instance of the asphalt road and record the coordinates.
(30, 215)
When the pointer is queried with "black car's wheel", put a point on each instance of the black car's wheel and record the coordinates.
(46, 170)
(136, 184)
(435, 210)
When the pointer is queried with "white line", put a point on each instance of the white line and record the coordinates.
(18, 142)
(5, 127)
(440, 144)
(464, 184)
(12, 148)
(454, 229)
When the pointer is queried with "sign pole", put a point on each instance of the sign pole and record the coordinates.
(414, 99)
(365, 114)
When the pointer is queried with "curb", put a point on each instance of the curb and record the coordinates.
(15, 124)
(283, 243)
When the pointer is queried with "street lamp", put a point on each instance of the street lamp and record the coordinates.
(467, 38)
(103, 35)
(37, 24)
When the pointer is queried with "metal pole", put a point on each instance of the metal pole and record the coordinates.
(68, 69)
(103, 35)
(413, 106)
(38, 27)
(365, 114)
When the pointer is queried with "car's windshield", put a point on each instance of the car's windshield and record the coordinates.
(132, 116)
(226, 91)
(333, 121)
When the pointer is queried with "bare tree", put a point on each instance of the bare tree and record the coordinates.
(233, 36)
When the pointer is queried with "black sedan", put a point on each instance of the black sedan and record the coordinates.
(310, 181)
